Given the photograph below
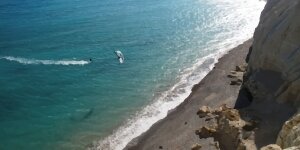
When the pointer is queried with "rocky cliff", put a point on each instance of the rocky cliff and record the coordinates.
(267, 110)
(274, 64)
(273, 73)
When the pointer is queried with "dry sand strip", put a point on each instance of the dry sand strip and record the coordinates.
(177, 130)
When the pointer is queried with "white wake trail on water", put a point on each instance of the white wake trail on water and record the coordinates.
(28, 61)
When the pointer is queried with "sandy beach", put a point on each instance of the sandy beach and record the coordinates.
(177, 130)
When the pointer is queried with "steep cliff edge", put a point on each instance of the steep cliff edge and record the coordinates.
(267, 110)
(273, 73)
(274, 64)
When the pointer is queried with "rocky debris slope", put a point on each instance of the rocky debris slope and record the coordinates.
(234, 129)
(237, 75)
(227, 128)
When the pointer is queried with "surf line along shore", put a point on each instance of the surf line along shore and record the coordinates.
(177, 130)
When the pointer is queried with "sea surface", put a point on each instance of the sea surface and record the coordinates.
(52, 97)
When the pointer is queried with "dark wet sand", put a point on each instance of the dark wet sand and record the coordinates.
(177, 130)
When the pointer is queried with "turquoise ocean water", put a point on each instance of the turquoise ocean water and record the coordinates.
(53, 97)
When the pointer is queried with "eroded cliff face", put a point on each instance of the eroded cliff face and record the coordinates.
(273, 73)
(267, 111)
(274, 64)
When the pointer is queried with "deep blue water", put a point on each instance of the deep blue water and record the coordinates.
(52, 97)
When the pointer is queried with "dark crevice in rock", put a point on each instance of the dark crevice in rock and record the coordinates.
(249, 54)
(244, 99)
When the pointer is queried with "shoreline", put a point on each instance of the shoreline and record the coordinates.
(176, 130)
(157, 111)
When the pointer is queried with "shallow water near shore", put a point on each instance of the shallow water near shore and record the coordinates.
(53, 97)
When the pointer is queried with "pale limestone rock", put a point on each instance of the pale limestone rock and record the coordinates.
(228, 128)
(273, 71)
(232, 114)
(241, 68)
(289, 135)
(293, 148)
(237, 75)
(234, 74)
(203, 111)
(246, 145)
(271, 147)
(206, 132)
(196, 147)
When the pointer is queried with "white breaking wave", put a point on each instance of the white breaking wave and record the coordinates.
(159, 109)
(238, 12)
(27, 61)
(244, 15)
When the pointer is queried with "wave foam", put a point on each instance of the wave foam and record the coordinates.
(159, 109)
(170, 99)
(27, 61)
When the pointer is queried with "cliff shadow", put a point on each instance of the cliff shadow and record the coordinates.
(268, 115)
(244, 99)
